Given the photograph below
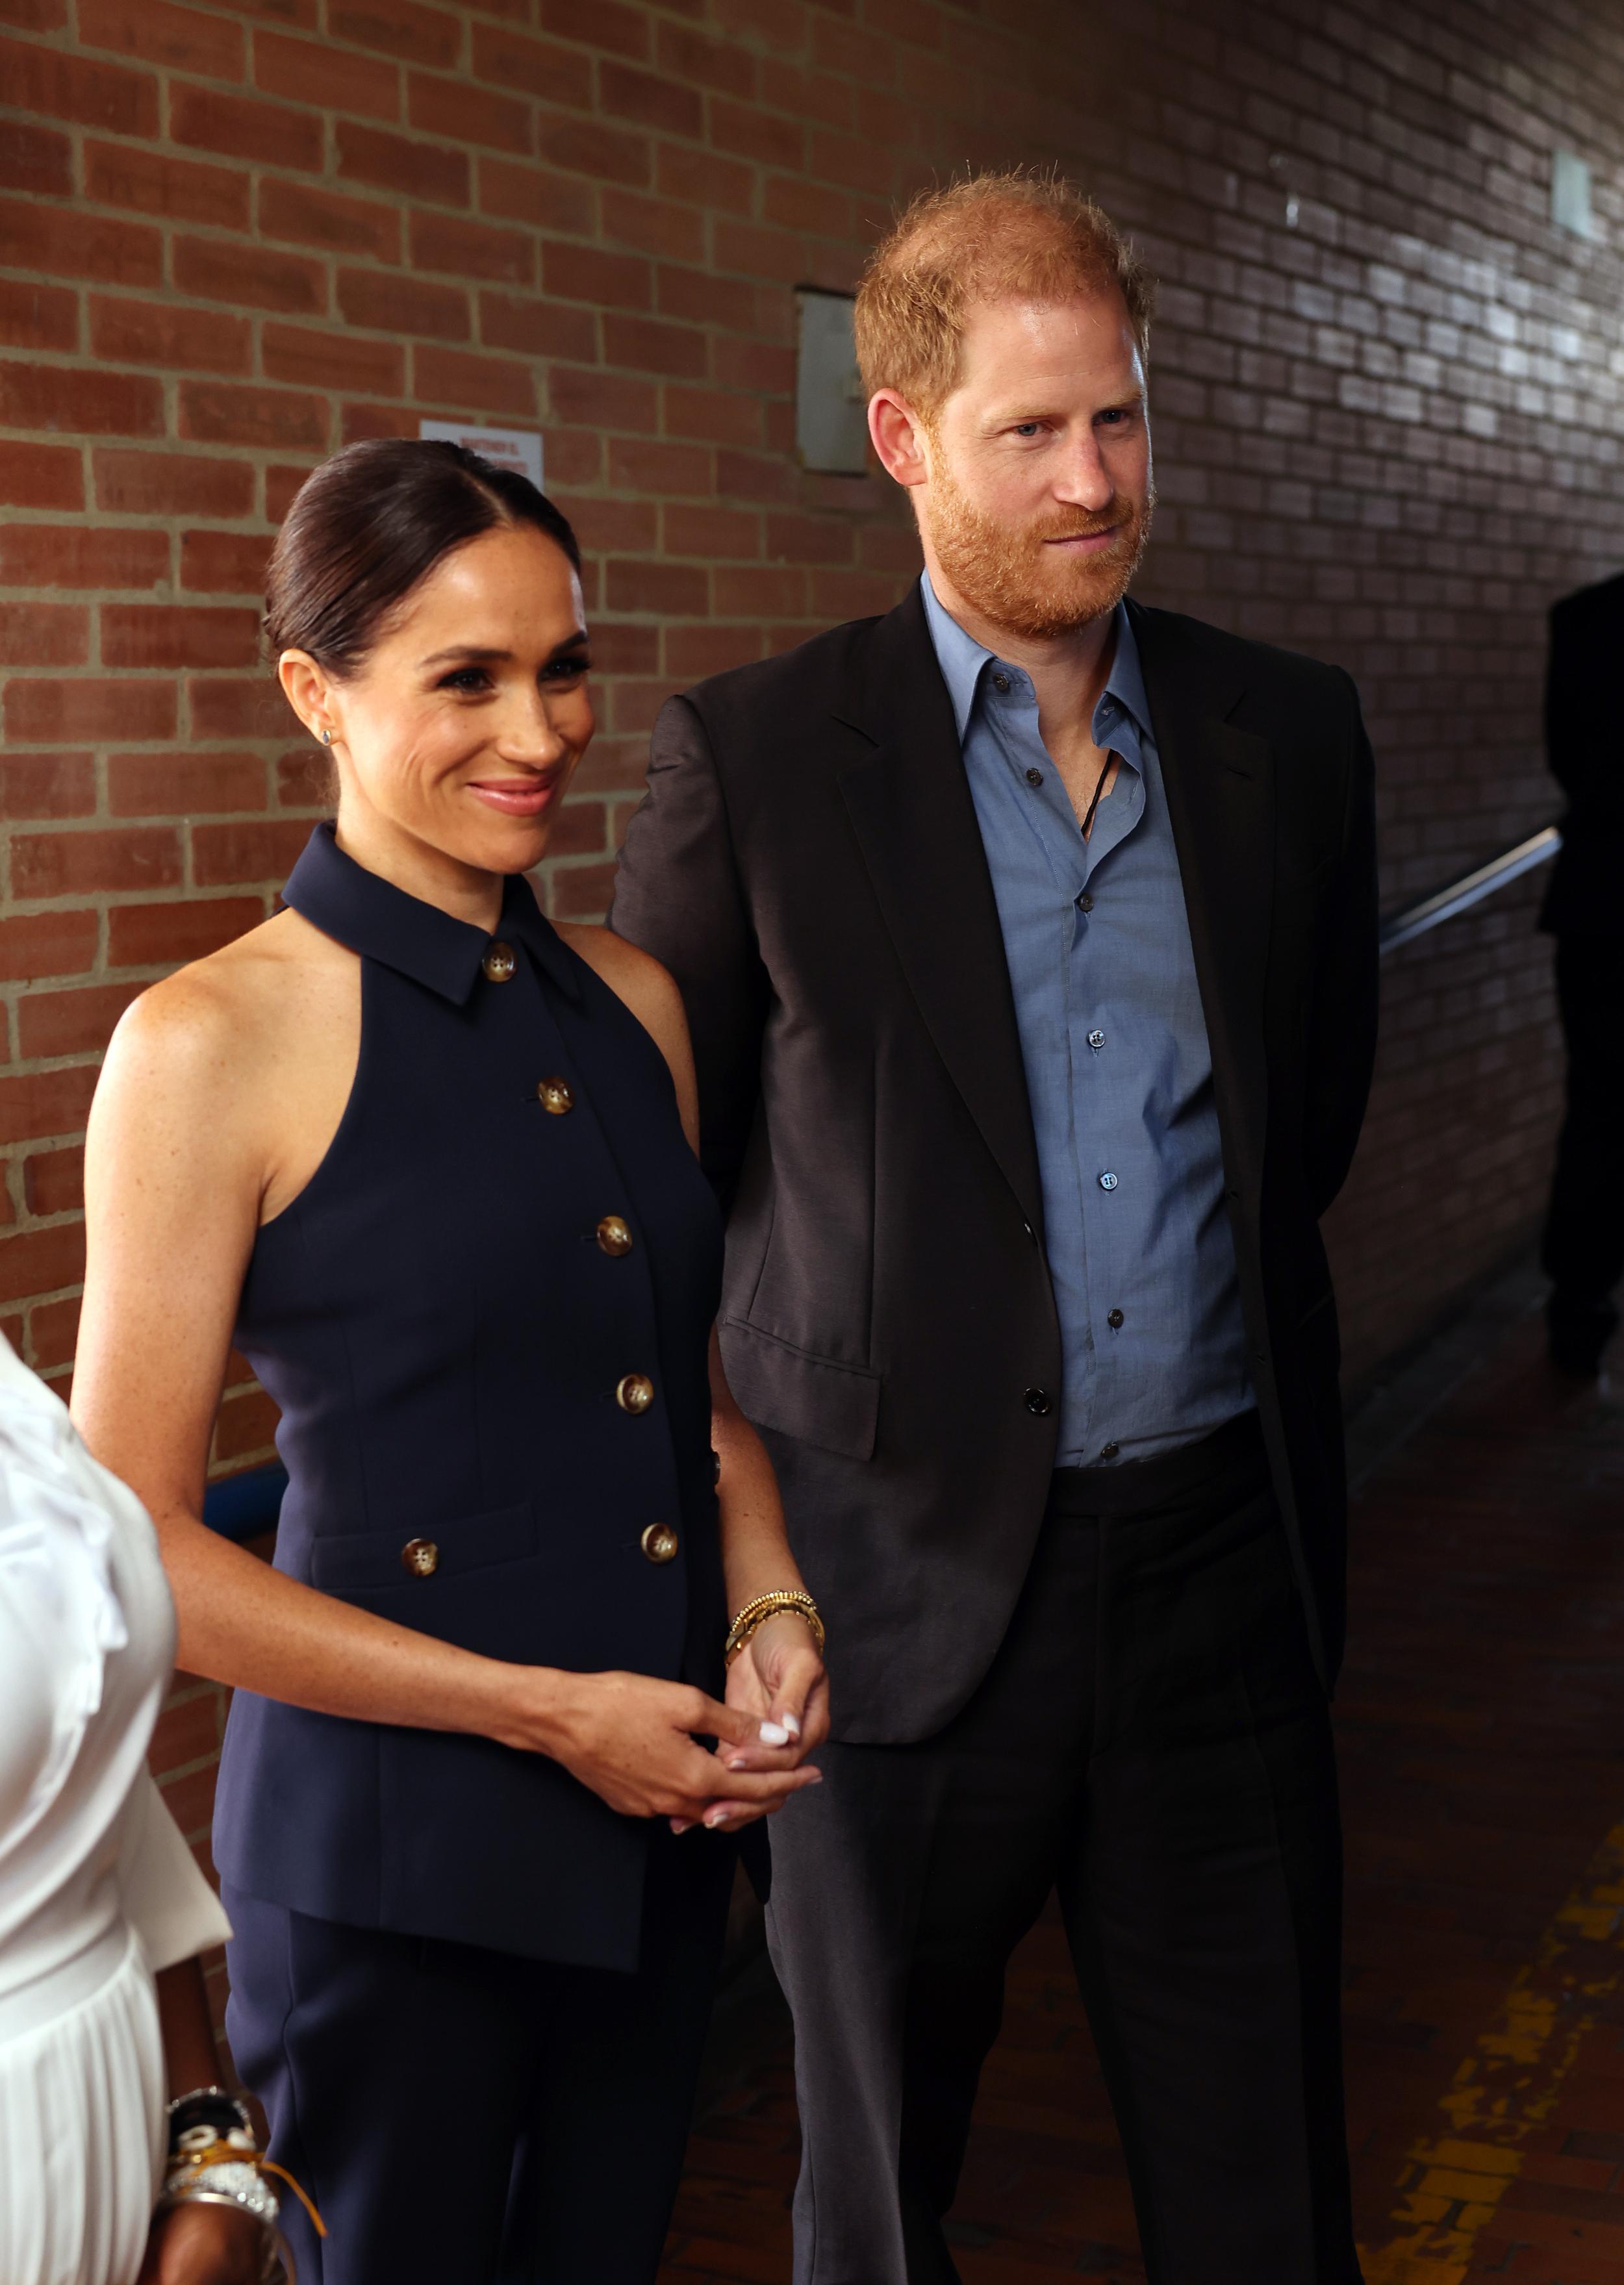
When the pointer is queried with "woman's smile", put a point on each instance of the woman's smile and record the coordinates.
(526, 795)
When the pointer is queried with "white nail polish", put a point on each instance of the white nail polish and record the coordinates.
(771, 1734)
(792, 1725)
(714, 1817)
(735, 1762)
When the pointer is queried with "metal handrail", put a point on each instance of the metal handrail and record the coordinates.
(1407, 921)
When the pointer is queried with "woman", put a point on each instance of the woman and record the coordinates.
(422, 1158)
(97, 1890)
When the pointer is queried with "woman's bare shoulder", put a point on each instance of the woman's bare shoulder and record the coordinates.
(219, 1013)
(634, 975)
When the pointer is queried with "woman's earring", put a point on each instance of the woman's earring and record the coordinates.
(326, 737)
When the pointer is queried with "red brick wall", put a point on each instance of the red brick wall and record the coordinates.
(1386, 394)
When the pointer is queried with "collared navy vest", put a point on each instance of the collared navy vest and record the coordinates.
(445, 1332)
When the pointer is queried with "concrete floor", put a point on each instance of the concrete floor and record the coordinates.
(1481, 1728)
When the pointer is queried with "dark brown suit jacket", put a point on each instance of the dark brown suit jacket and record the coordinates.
(808, 865)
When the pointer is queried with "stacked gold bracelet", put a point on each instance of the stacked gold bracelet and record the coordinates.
(763, 1607)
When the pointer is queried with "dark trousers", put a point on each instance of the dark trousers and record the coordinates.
(1152, 1739)
(463, 2117)
(1584, 1251)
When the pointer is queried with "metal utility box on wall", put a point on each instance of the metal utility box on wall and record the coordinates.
(831, 412)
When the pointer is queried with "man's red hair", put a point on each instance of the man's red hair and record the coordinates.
(1010, 237)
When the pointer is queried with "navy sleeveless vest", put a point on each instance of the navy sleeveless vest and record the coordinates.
(485, 1320)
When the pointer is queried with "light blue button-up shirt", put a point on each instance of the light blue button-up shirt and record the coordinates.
(1118, 1065)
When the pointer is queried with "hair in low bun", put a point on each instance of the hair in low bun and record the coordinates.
(371, 523)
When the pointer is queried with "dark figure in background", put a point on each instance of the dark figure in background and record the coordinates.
(1584, 1253)
(1028, 939)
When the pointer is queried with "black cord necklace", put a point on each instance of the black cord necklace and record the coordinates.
(1099, 788)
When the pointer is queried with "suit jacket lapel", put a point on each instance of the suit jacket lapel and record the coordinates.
(909, 802)
(1220, 796)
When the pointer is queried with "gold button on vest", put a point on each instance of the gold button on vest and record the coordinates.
(660, 1543)
(498, 963)
(634, 1393)
(612, 1236)
(420, 1558)
(555, 1094)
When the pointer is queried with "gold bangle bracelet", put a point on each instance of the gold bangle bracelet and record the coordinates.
(794, 1600)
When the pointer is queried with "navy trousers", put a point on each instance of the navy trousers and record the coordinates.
(464, 2118)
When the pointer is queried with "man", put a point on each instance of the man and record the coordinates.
(1584, 1253)
(1028, 943)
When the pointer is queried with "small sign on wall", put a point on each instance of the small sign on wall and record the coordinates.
(1569, 194)
(504, 448)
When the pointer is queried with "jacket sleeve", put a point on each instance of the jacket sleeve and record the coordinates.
(1343, 1016)
(1566, 715)
(678, 895)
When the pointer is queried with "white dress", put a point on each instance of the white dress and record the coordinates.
(96, 1888)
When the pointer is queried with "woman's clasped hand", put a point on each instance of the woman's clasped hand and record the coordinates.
(641, 1744)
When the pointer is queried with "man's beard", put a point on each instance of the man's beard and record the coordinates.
(1028, 588)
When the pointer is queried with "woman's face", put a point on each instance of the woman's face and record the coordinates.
(462, 730)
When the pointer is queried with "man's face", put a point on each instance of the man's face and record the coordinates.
(1038, 498)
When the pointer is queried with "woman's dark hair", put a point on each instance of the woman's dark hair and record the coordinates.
(371, 521)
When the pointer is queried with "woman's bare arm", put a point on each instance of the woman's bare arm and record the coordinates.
(779, 1678)
(190, 1137)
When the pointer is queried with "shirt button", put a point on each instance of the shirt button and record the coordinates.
(420, 1558)
(1000, 682)
(1109, 1451)
(1107, 1182)
(1096, 1040)
(1038, 1400)
(634, 1392)
(555, 1094)
(1084, 903)
(612, 1236)
(1113, 1319)
(499, 963)
(1034, 777)
(660, 1543)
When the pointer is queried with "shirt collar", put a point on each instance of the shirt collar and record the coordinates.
(963, 660)
(1126, 682)
(960, 657)
(372, 916)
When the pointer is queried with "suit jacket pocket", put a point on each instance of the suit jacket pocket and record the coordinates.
(811, 1398)
(343, 1562)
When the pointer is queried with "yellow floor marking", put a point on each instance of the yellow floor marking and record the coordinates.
(1507, 2088)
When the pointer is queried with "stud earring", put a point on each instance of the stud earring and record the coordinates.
(326, 737)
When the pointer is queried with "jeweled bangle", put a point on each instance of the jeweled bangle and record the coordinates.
(234, 2181)
(794, 1600)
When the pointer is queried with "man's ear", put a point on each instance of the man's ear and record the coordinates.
(898, 437)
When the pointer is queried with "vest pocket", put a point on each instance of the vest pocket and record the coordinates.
(343, 1562)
